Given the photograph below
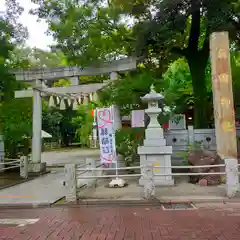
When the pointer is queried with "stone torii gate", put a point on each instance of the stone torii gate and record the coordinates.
(39, 76)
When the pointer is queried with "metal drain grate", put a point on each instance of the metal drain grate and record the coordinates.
(178, 206)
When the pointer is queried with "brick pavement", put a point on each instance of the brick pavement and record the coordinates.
(219, 222)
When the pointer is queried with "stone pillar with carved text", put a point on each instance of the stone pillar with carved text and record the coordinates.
(224, 114)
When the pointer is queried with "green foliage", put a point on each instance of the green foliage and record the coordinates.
(127, 141)
(16, 123)
(15, 119)
(182, 28)
(51, 120)
(128, 90)
(85, 31)
(59, 124)
(83, 122)
(235, 64)
(25, 57)
(15, 31)
(197, 145)
(62, 83)
(158, 31)
(178, 85)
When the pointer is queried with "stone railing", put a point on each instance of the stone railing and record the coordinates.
(51, 145)
(181, 139)
(21, 163)
(73, 175)
(77, 177)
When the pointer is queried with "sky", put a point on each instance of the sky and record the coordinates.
(37, 35)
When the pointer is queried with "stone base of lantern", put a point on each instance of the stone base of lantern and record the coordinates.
(159, 156)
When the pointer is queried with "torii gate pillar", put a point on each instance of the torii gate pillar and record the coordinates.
(36, 165)
(224, 114)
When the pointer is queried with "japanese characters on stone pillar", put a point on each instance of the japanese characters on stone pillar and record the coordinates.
(224, 114)
(222, 96)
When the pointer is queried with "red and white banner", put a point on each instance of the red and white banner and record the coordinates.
(106, 133)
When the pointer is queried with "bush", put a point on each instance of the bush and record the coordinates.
(127, 142)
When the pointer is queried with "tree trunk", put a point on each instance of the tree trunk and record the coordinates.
(197, 69)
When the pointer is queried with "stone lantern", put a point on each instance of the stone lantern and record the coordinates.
(154, 150)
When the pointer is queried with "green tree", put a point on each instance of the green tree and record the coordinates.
(83, 122)
(89, 30)
(16, 119)
(86, 31)
(183, 28)
(126, 91)
(14, 114)
(26, 57)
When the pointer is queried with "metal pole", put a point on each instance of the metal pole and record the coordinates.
(114, 129)
(94, 129)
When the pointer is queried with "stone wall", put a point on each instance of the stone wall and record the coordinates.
(180, 139)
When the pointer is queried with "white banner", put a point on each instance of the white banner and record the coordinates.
(105, 123)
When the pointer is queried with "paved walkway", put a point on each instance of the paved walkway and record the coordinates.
(74, 156)
(46, 189)
(49, 188)
(206, 223)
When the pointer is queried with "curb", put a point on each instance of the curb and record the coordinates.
(115, 203)
(155, 202)
(23, 206)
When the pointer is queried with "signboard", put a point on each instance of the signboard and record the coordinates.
(177, 122)
(106, 132)
(138, 118)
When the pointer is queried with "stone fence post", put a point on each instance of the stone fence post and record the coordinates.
(24, 167)
(91, 164)
(148, 184)
(232, 177)
(191, 135)
(71, 182)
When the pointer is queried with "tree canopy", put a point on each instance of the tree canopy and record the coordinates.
(158, 31)
(86, 31)
(170, 39)
(14, 121)
(183, 28)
